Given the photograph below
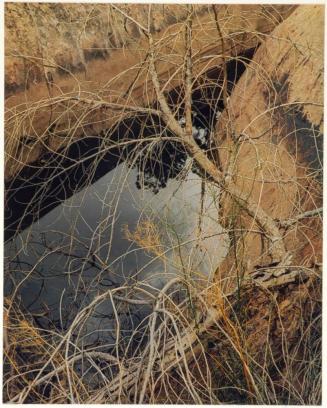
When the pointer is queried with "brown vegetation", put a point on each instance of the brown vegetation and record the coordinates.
(253, 334)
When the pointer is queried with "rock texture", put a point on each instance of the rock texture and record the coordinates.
(62, 38)
(274, 150)
(66, 62)
(270, 145)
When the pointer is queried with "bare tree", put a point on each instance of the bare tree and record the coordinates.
(225, 339)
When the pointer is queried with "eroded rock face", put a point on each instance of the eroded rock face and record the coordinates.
(276, 116)
(65, 63)
(62, 38)
(273, 155)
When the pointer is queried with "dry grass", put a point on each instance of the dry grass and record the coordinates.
(250, 335)
(146, 236)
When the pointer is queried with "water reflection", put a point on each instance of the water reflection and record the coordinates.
(109, 235)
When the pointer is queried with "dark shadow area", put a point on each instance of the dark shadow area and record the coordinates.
(40, 187)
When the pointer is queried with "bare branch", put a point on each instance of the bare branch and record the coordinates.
(308, 214)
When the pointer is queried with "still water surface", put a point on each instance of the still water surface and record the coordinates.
(85, 246)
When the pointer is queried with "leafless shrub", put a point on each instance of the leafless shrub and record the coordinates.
(226, 339)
